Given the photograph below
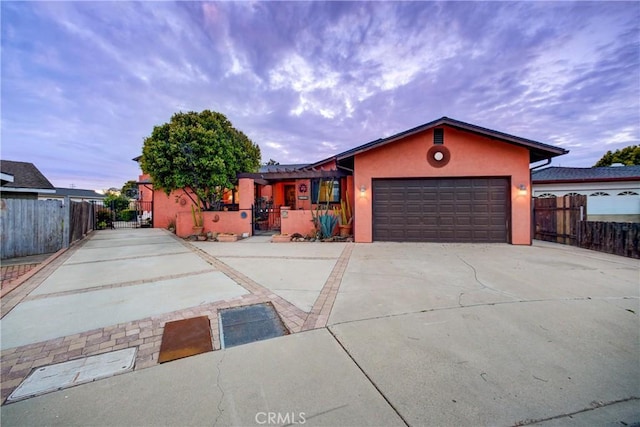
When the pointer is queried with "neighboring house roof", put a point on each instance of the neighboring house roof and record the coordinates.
(26, 178)
(600, 174)
(79, 193)
(538, 151)
(282, 168)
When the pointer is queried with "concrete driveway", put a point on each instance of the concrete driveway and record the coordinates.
(386, 334)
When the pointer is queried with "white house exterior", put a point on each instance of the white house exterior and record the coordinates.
(613, 193)
(74, 194)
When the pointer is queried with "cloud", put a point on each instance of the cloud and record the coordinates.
(305, 80)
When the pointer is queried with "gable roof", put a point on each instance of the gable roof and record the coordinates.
(26, 178)
(566, 174)
(538, 150)
(79, 192)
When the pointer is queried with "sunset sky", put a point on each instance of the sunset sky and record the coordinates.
(83, 83)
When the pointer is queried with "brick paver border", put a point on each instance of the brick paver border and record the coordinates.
(319, 315)
(146, 334)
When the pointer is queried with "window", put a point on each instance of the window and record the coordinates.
(546, 196)
(325, 190)
(598, 193)
(628, 193)
(572, 194)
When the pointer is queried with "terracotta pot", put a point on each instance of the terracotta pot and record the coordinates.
(345, 230)
(227, 237)
(197, 230)
(280, 238)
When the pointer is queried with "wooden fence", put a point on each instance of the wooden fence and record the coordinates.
(81, 220)
(556, 219)
(33, 227)
(617, 238)
(561, 220)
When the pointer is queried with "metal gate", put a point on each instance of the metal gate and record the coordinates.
(266, 217)
(122, 214)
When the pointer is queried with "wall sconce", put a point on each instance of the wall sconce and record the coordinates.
(363, 190)
(522, 190)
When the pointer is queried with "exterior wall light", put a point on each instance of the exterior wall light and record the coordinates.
(522, 189)
(363, 190)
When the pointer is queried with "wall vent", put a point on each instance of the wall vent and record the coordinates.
(438, 136)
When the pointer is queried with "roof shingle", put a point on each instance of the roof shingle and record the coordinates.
(558, 173)
(25, 175)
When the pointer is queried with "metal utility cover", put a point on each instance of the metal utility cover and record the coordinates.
(74, 372)
(251, 323)
(184, 338)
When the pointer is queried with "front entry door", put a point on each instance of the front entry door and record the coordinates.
(290, 196)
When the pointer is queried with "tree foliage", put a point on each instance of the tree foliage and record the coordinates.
(115, 200)
(130, 189)
(628, 156)
(198, 151)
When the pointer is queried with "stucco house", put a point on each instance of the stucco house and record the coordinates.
(443, 181)
(613, 193)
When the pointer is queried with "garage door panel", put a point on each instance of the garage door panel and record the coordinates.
(441, 210)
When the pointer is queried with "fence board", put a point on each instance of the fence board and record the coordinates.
(618, 238)
(30, 227)
(81, 221)
(556, 219)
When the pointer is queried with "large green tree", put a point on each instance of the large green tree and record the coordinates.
(198, 151)
(628, 156)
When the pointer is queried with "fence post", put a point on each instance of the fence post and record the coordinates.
(66, 222)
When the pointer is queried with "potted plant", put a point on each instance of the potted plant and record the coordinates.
(346, 217)
(324, 219)
(198, 221)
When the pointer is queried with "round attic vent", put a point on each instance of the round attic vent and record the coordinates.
(438, 156)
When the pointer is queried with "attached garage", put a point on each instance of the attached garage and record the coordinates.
(443, 181)
(441, 209)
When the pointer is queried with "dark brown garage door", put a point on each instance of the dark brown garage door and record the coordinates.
(440, 210)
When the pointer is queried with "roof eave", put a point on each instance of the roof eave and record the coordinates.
(27, 190)
(302, 174)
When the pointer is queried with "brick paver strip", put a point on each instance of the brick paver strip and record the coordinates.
(126, 258)
(12, 272)
(11, 284)
(35, 279)
(289, 313)
(146, 334)
(115, 285)
(319, 314)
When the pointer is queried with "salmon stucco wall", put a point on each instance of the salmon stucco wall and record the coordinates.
(176, 207)
(216, 222)
(471, 156)
(296, 221)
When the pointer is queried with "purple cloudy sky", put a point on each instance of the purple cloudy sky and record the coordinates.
(83, 83)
